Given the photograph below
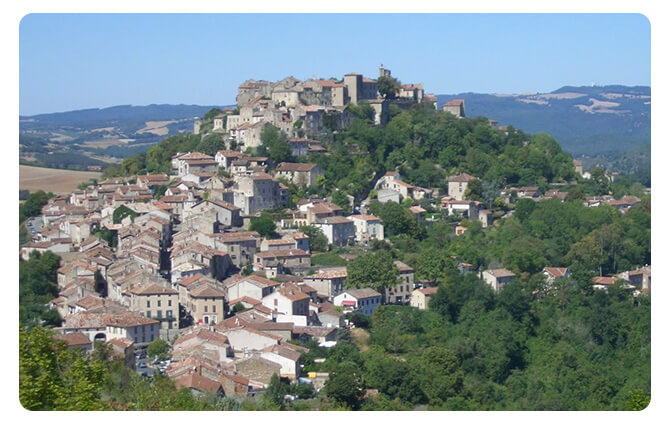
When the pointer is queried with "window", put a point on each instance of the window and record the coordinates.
(148, 316)
(214, 308)
(159, 304)
(168, 314)
(148, 304)
(206, 319)
(159, 314)
(169, 303)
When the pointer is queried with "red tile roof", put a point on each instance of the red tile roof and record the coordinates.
(74, 339)
(295, 167)
(428, 291)
(557, 272)
(198, 382)
(463, 177)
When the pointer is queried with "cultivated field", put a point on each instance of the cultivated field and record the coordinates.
(52, 180)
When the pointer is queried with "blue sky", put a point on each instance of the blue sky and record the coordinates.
(69, 62)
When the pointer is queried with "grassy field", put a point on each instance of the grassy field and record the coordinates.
(52, 180)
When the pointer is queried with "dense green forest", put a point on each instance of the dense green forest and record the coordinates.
(37, 286)
(573, 349)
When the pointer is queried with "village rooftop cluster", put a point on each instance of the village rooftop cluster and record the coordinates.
(177, 271)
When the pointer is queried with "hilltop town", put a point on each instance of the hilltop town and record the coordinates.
(309, 108)
(237, 263)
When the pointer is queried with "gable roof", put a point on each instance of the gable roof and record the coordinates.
(428, 291)
(363, 293)
(284, 253)
(253, 279)
(74, 339)
(557, 272)
(206, 291)
(463, 177)
(198, 382)
(152, 288)
(606, 281)
(204, 335)
(295, 167)
(402, 266)
(501, 272)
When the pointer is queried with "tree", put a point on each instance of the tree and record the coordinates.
(363, 110)
(388, 87)
(274, 144)
(340, 199)
(637, 400)
(53, 377)
(376, 270)
(273, 397)
(439, 373)
(434, 265)
(37, 286)
(396, 218)
(33, 205)
(393, 378)
(158, 347)
(122, 212)
(345, 385)
(211, 143)
(523, 208)
(280, 150)
(264, 225)
(212, 113)
(317, 239)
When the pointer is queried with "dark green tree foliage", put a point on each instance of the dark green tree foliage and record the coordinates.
(363, 111)
(264, 225)
(122, 212)
(345, 385)
(393, 377)
(340, 199)
(375, 270)
(439, 374)
(37, 286)
(318, 241)
(54, 377)
(211, 143)
(109, 236)
(51, 377)
(396, 218)
(212, 113)
(435, 265)
(274, 394)
(388, 87)
(274, 144)
(158, 191)
(33, 205)
(158, 348)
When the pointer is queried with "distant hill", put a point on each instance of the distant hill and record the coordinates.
(100, 136)
(123, 116)
(584, 120)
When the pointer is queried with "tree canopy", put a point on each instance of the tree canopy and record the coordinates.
(375, 270)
